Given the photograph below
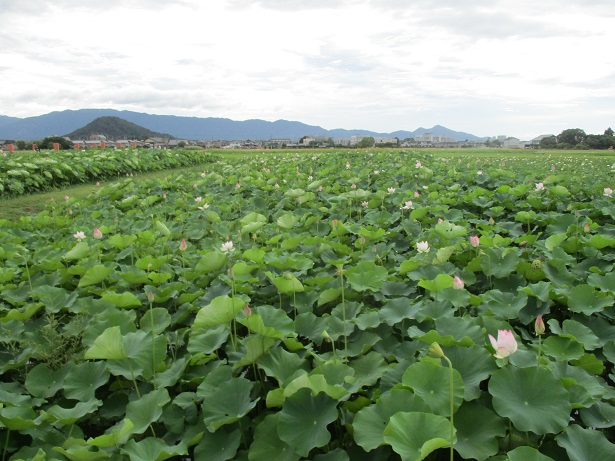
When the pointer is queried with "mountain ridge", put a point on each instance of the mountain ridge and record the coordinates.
(195, 128)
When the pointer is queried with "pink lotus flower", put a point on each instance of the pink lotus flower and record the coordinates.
(407, 205)
(458, 283)
(540, 186)
(608, 192)
(539, 326)
(237, 186)
(183, 245)
(364, 204)
(505, 345)
(66, 197)
(97, 234)
(416, 193)
(422, 247)
(474, 241)
(247, 311)
(79, 235)
(390, 190)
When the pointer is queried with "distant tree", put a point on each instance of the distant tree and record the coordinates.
(550, 142)
(598, 141)
(21, 145)
(571, 137)
(48, 142)
(367, 141)
(181, 144)
(608, 132)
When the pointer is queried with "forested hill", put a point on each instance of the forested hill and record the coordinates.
(115, 128)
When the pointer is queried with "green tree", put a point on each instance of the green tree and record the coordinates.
(550, 142)
(598, 141)
(367, 141)
(608, 132)
(571, 137)
(48, 142)
(21, 145)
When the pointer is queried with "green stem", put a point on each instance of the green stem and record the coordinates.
(344, 315)
(151, 314)
(451, 391)
(6, 444)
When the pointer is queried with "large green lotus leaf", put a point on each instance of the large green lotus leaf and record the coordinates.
(366, 275)
(329, 295)
(222, 310)
(562, 348)
(503, 305)
(208, 341)
(540, 290)
(126, 299)
(304, 419)
(281, 364)
(448, 230)
(396, 310)
(79, 251)
(54, 298)
(475, 364)
(81, 452)
(41, 381)
(115, 436)
(267, 445)
(253, 347)
(288, 284)
(461, 328)
(431, 382)
(414, 435)
(145, 357)
(532, 398)
(107, 315)
(69, 416)
(94, 275)
(227, 403)
(157, 318)
(527, 454)
(585, 444)
(287, 221)
(108, 346)
(153, 449)
(478, 430)
(369, 422)
(583, 299)
(368, 368)
(498, 263)
(83, 379)
(432, 336)
(441, 282)
(581, 333)
(218, 446)
(600, 415)
(254, 254)
(171, 375)
(211, 261)
(269, 321)
(17, 418)
(147, 409)
(605, 282)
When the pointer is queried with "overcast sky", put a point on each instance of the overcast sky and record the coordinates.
(515, 67)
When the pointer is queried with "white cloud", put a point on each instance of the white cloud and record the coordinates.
(487, 67)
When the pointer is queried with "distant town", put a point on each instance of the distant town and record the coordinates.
(423, 140)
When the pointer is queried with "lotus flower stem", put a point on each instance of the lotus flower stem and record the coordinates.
(451, 389)
(6, 444)
(341, 270)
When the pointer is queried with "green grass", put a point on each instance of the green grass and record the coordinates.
(14, 208)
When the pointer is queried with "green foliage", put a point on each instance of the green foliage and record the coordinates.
(310, 337)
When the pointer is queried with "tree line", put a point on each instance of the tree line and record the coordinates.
(576, 138)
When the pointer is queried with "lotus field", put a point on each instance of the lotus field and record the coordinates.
(331, 306)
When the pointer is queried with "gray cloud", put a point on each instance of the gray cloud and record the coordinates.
(289, 5)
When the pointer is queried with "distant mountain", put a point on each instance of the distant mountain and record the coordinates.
(115, 128)
(210, 128)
